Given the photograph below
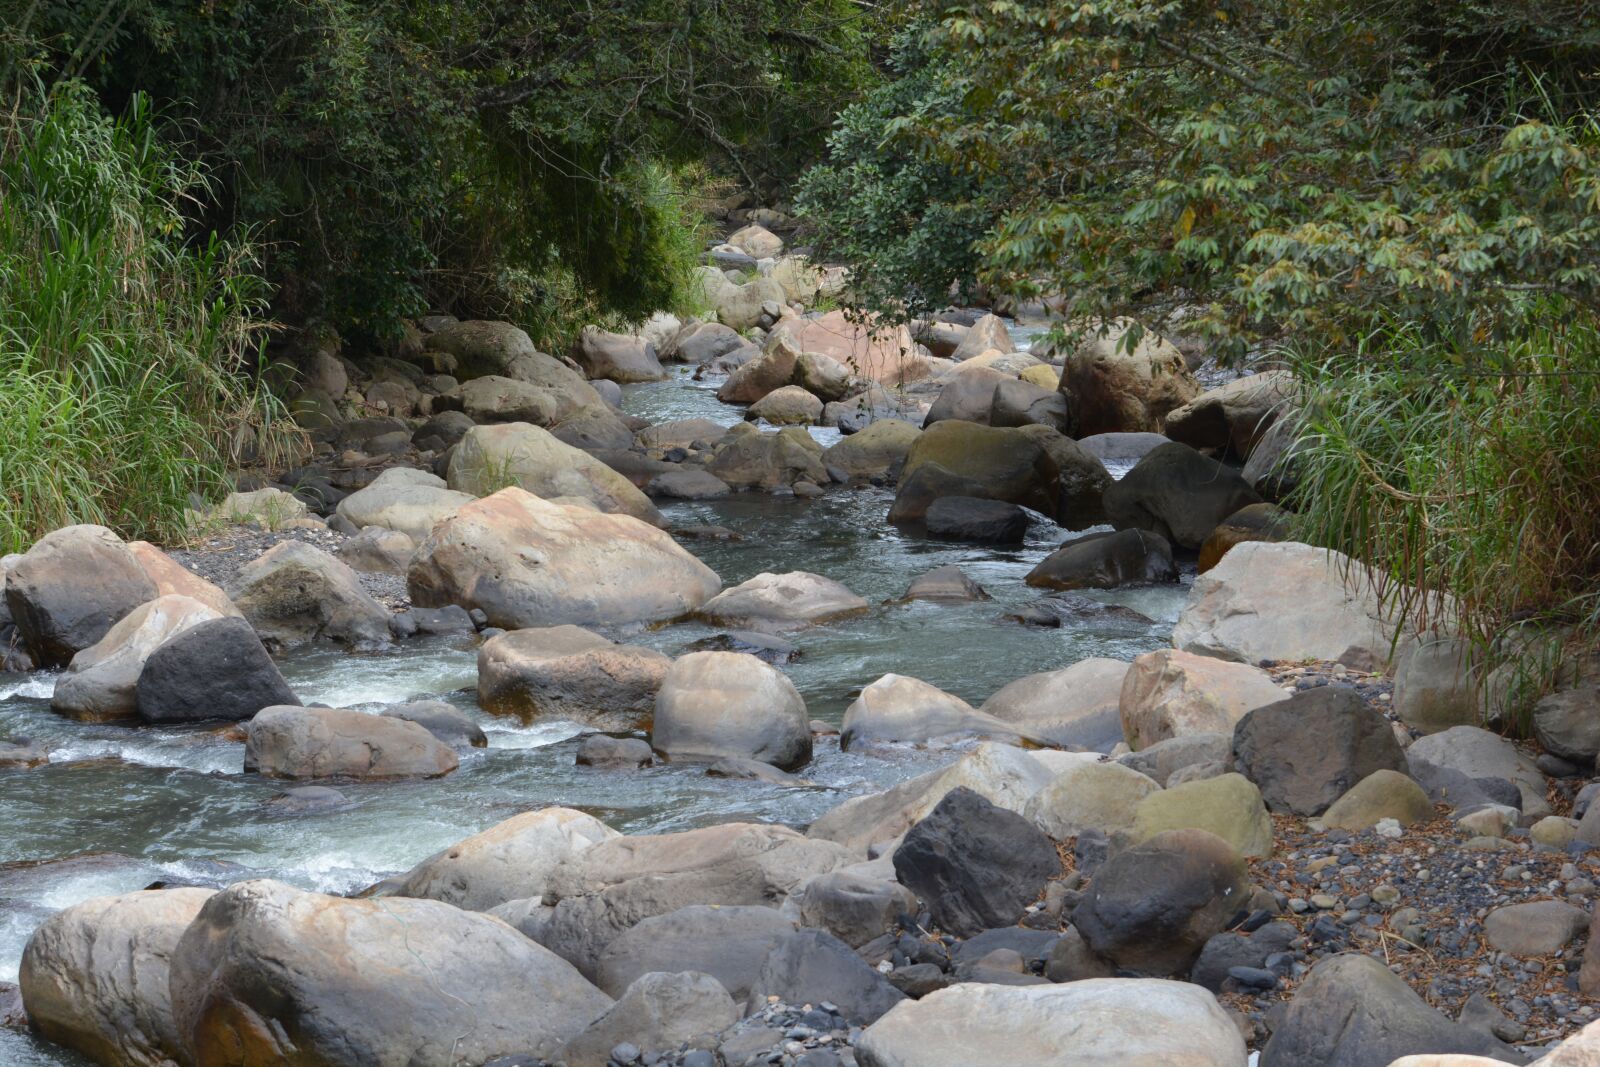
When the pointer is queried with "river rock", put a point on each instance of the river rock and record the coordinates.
(955, 458)
(824, 377)
(67, 591)
(490, 458)
(969, 518)
(527, 562)
(1568, 724)
(411, 509)
(1309, 750)
(1253, 522)
(1380, 795)
(1077, 706)
(878, 451)
(988, 334)
(295, 742)
(1164, 759)
(716, 704)
(1082, 478)
(564, 386)
(659, 1012)
(480, 347)
(681, 433)
(775, 602)
(270, 508)
(882, 352)
(508, 861)
(968, 395)
(897, 708)
(1113, 390)
(1122, 449)
(1106, 561)
(1477, 753)
(1228, 805)
(215, 669)
(101, 682)
(1152, 907)
(449, 724)
(814, 967)
(1285, 601)
(627, 753)
(294, 594)
(1003, 774)
(788, 406)
(377, 550)
(1125, 1021)
(94, 976)
(1537, 928)
(948, 584)
(269, 974)
(728, 943)
(701, 342)
(853, 907)
(1170, 693)
(1017, 402)
(616, 357)
(170, 577)
(567, 672)
(1352, 1011)
(976, 865)
(22, 752)
(1233, 417)
(1176, 492)
(1089, 796)
(772, 370)
(756, 241)
(768, 461)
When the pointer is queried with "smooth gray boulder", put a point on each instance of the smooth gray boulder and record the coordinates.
(814, 967)
(657, 1013)
(294, 594)
(568, 672)
(216, 669)
(510, 860)
(716, 704)
(296, 742)
(728, 943)
(66, 591)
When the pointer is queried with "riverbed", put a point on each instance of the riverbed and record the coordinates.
(122, 807)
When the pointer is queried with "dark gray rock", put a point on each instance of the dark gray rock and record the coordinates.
(1070, 609)
(1308, 751)
(813, 966)
(66, 591)
(1178, 493)
(1230, 950)
(1352, 1011)
(1446, 785)
(450, 725)
(452, 620)
(218, 669)
(974, 864)
(308, 800)
(601, 750)
(1106, 561)
(968, 518)
(853, 907)
(1033, 946)
(1020, 403)
(1568, 724)
(728, 943)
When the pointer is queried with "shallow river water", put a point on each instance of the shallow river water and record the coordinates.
(121, 807)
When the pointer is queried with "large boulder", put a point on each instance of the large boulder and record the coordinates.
(954, 458)
(788, 406)
(1164, 759)
(702, 342)
(879, 451)
(756, 241)
(1307, 751)
(728, 943)
(296, 742)
(773, 369)
(480, 347)
(1003, 774)
(882, 352)
(1077, 706)
(1352, 1011)
(1477, 753)
(1285, 601)
(1437, 685)
(659, 1012)
(988, 334)
(294, 594)
(564, 386)
(852, 906)
(100, 683)
(681, 433)
(1113, 390)
(496, 398)
(772, 602)
(1176, 492)
(716, 704)
(411, 509)
(768, 460)
(217, 669)
(1380, 795)
(490, 458)
(1083, 477)
(814, 967)
(269, 974)
(1089, 796)
(1170, 693)
(974, 864)
(824, 377)
(567, 672)
(1228, 805)
(1018, 402)
(616, 357)
(897, 708)
(1253, 522)
(968, 395)
(171, 577)
(445, 721)
(94, 977)
(1106, 561)
(971, 518)
(1151, 908)
(511, 860)
(531, 562)
(66, 591)
(1534, 928)
(1568, 723)
(1233, 417)
(1130, 1022)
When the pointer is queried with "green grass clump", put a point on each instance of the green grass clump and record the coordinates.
(127, 345)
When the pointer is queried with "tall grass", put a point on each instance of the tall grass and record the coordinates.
(1469, 477)
(127, 347)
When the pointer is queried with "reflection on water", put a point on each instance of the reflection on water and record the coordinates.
(121, 807)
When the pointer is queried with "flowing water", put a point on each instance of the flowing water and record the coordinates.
(121, 807)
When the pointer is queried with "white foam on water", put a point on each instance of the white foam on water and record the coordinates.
(511, 735)
(40, 685)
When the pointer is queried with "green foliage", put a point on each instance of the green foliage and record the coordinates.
(1466, 476)
(124, 349)
(1298, 167)
(477, 156)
